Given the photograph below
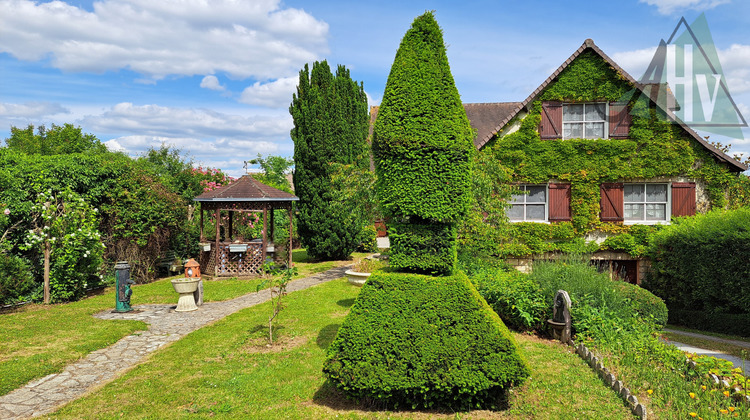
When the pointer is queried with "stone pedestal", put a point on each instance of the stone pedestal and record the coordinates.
(186, 288)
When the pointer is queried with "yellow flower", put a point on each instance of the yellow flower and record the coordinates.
(731, 409)
(692, 395)
(726, 393)
(723, 411)
(649, 391)
(703, 387)
(693, 414)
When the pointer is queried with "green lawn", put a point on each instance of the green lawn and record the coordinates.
(225, 370)
(37, 340)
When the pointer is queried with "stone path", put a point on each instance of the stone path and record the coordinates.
(44, 395)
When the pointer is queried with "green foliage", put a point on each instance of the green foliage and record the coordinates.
(66, 225)
(655, 148)
(275, 170)
(418, 341)
(645, 304)
(514, 296)
(423, 246)
(56, 140)
(16, 280)
(700, 263)
(369, 240)
(330, 126)
(422, 144)
(734, 324)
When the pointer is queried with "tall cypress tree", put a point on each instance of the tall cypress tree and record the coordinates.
(331, 123)
(422, 145)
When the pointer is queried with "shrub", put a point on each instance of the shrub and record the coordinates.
(16, 279)
(515, 297)
(644, 303)
(422, 144)
(419, 341)
(700, 262)
(733, 324)
(369, 240)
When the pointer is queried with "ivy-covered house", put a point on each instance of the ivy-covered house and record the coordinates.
(598, 160)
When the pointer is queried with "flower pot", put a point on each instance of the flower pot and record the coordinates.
(356, 278)
(186, 288)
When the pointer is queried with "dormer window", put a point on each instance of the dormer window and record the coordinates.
(585, 121)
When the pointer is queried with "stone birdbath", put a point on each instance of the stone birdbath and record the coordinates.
(187, 286)
(361, 271)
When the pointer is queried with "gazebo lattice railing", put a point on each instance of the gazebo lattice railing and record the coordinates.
(229, 255)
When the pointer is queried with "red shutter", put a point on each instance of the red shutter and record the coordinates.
(559, 202)
(683, 198)
(613, 195)
(551, 125)
(619, 120)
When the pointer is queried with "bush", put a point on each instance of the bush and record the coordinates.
(419, 341)
(700, 262)
(423, 247)
(369, 240)
(732, 324)
(514, 296)
(16, 279)
(644, 303)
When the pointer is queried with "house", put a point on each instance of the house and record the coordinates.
(598, 161)
(594, 149)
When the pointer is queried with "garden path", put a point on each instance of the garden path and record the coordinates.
(44, 395)
(736, 361)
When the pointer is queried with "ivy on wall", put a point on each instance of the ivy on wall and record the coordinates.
(655, 148)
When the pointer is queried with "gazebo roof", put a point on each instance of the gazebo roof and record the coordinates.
(246, 188)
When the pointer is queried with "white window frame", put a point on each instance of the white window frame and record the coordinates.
(583, 122)
(667, 210)
(523, 188)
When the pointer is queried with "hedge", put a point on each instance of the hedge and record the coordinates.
(418, 341)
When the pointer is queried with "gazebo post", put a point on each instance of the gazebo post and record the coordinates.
(230, 232)
(201, 230)
(265, 227)
(272, 228)
(218, 222)
(289, 264)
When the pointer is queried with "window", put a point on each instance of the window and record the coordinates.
(606, 120)
(529, 205)
(585, 121)
(646, 203)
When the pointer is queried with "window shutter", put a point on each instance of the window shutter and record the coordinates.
(551, 125)
(683, 198)
(559, 202)
(613, 196)
(619, 120)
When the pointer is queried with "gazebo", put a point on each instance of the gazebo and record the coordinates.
(230, 254)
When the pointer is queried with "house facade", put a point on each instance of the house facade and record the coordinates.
(598, 161)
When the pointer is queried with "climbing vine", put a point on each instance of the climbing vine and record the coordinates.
(654, 148)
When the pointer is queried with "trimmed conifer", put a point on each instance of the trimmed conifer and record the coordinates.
(422, 143)
(331, 123)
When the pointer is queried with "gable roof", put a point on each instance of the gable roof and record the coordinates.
(482, 140)
(246, 188)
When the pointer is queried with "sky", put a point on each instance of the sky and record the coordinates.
(215, 78)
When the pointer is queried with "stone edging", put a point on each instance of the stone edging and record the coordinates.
(610, 379)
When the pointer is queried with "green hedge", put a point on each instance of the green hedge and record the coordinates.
(733, 324)
(514, 296)
(701, 262)
(419, 341)
(16, 279)
(423, 247)
(644, 303)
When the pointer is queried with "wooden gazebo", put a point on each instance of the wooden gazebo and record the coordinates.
(229, 255)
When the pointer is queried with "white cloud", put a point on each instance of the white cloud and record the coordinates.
(259, 38)
(211, 82)
(635, 62)
(31, 110)
(216, 139)
(276, 94)
(668, 7)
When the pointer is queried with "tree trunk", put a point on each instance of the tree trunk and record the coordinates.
(46, 271)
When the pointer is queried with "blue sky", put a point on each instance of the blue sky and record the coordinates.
(215, 79)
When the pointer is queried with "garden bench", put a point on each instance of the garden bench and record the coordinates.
(170, 263)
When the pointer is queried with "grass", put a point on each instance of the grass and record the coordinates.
(37, 340)
(225, 370)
